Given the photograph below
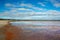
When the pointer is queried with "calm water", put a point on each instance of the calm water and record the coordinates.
(46, 27)
(36, 23)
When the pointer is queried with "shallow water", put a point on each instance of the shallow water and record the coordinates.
(39, 30)
(36, 23)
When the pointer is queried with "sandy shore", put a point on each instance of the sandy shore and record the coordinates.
(3, 23)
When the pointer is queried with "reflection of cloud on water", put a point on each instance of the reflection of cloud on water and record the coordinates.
(36, 23)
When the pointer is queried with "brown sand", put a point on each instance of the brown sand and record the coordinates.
(11, 32)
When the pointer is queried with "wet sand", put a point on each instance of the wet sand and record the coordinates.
(28, 32)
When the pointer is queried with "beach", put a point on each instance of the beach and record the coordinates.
(30, 30)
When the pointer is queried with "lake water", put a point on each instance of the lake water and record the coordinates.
(34, 27)
(36, 23)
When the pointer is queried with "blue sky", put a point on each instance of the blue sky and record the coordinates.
(30, 9)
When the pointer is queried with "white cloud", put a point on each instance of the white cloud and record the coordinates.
(10, 5)
(30, 15)
(42, 4)
(32, 6)
(55, 3)
(39, 9)
(23, 9)
(53, 13)
(49, 12)
(27, 5)
(16, 12)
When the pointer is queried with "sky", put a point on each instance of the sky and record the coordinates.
(30, 9)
